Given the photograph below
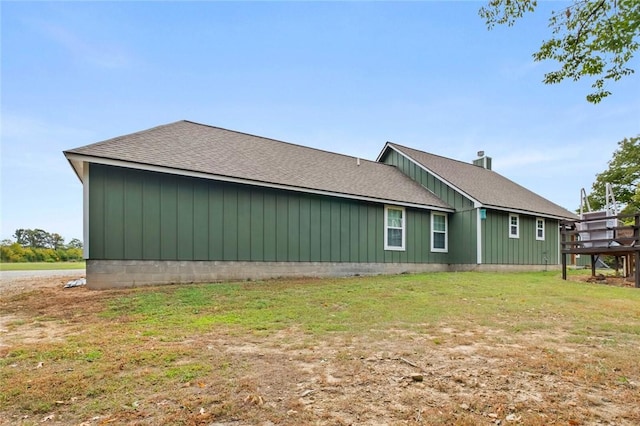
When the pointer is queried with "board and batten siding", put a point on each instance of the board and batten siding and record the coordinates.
(143, 215)
(498, 248)
(462, 224)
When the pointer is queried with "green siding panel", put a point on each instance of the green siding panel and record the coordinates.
(315, 231)
(363, 246)
(293, 229)
(498, 248)
(230, 223)
(463, 236)
(168, 219)
(151, 225)
(269, 227)
(133, 210)
(216, 222)
(114, 214)
(354, 232)
(334, 231)
(185, 219)
(304, 233)
(244, 224)
(282, 226)
(426, 237)
(257, 225)
(325, 230)
(97, 211)
(345, 235)
(146, 215)
(200, 221)
(372, 239)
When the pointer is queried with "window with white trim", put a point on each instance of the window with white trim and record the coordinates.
(539, 229)
(439, 232)
(514, 226)
(394, 228)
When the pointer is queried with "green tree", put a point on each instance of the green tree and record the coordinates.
(590, 38)
(21, 237)
(624, 176)
(55, 241)
(75, 243)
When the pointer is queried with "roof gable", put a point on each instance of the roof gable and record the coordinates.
(486, 187)
(191, 148)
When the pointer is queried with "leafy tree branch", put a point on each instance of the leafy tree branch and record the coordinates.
(590, 38)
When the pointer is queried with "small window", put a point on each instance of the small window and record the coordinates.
(539, 229)
(394, 229)
(514, 226)
(439, 232)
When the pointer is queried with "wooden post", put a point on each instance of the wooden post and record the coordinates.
(636, 235)
(637, 266)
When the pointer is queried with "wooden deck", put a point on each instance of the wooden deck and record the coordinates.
(603, 236)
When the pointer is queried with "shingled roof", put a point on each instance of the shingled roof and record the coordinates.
(485, 186)
(190, 148)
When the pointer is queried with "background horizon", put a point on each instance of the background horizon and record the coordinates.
(344, 77)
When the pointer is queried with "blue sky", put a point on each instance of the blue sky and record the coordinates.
(339, 76)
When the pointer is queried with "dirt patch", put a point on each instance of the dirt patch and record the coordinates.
(12, 286)
(605, 279)
(451, 375)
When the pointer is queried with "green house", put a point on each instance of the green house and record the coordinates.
(187, 202)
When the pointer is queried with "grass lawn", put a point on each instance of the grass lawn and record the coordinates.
(444, 348)
(41, 266)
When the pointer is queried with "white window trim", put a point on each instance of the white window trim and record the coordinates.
(386, 228)
(446, 233)
(517, 234)
(544, 225)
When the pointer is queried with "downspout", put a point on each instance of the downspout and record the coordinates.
(478, 237)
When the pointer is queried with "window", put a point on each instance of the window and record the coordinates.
(514, 226)
(394, 229)
(439, 232)
(539, 229)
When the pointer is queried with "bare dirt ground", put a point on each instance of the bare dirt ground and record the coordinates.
(475, 375)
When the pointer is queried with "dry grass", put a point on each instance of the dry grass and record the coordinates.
(461, 349)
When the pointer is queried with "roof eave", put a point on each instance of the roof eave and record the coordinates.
(77, 161)
(527, 212)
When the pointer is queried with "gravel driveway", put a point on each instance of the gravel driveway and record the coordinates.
(11, 275)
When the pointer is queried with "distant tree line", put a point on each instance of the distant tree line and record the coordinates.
(38, 245)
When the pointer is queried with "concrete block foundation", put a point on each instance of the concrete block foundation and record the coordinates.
(103, 274)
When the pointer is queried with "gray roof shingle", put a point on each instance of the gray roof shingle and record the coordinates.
(192, 147)
(486, 186)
